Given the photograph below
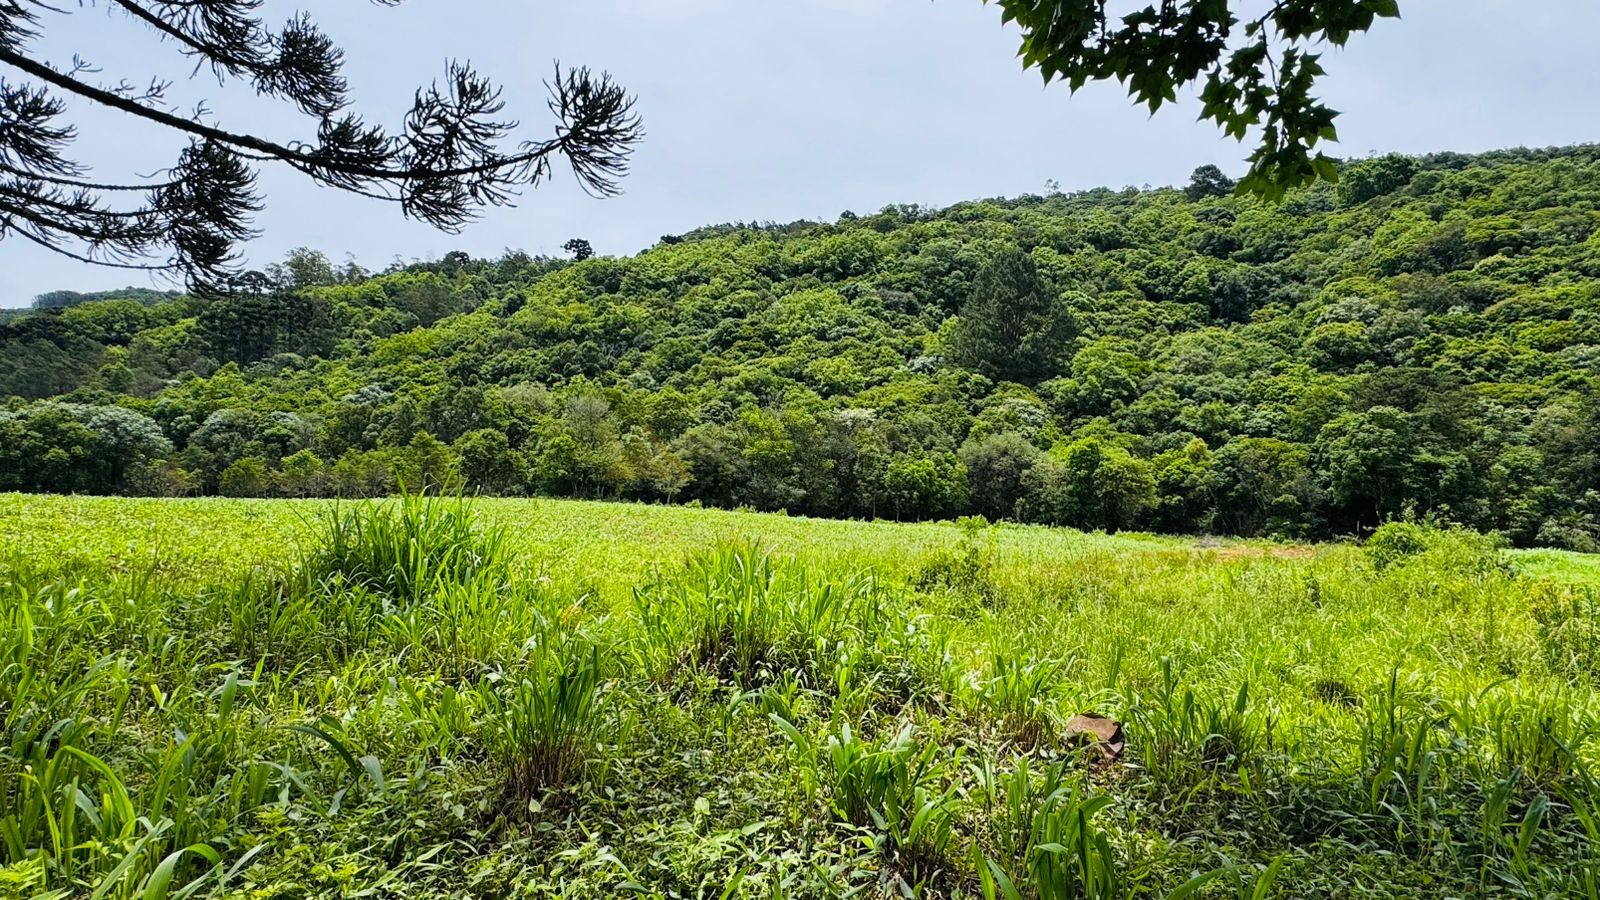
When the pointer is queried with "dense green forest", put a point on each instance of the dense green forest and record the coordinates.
(1421, 338)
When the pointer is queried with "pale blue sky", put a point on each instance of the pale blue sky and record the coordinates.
(761, 109)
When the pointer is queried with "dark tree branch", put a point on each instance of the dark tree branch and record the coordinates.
(442, 166)
(86, 185)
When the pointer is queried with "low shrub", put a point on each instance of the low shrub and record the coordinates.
(1462, 550)
(967, 571)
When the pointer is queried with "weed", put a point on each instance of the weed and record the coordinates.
(1019, 694)
(1179, 730)
(898, 788)
(1044, 838)
(403, 549)
(739, 614)
(541, 722)
(968, 571)
(1568, 620)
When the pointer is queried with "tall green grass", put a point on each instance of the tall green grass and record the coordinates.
(1045, 841)
(404, 549)
(541, 720)
(436, 696)
(739, 614)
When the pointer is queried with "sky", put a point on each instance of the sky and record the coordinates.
(789, 109)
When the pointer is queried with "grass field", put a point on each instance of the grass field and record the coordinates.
(561, 699)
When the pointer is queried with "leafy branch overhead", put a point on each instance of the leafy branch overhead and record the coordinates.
(1254, 74)
(445, 163)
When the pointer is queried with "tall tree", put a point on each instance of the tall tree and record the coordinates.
(579, 248)
(1257, 72)
(1012, 328)
(1208, 181)
(997, 466)
(442, 166)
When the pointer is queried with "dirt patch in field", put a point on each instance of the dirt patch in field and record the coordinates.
(1244, 551)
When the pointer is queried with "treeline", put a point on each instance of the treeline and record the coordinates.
(1422, 337)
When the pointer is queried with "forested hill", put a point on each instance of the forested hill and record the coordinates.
(1423, 337)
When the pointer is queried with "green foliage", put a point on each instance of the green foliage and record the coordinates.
(489, 464)
(1188, 735)
(1402, 541)
(997, 469)
(1361, 181)
(967, 570)
(404, 549)
(925, 487)
(1395, 541)
(73, 448)
(1019, 695)
(69, 299)
(541, 725)
(1370, 458)
(589, 714)
(743, 616)
(250, 327)
(1420, 338)
(302, 474)
(1258, 71)
(1090, 484)
(898, 787)
(245, 477)
(1045, 840)
(1011, 328)
(1568, 620)
(1208, 181)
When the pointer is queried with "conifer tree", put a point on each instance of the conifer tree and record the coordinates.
(1012, 326)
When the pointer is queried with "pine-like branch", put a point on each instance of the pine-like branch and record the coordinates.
(443, 166)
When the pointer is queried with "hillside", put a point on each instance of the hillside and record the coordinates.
(1422, 338)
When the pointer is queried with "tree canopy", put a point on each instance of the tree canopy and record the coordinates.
(1422, 338)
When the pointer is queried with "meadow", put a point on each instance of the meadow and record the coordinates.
(514, 698)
